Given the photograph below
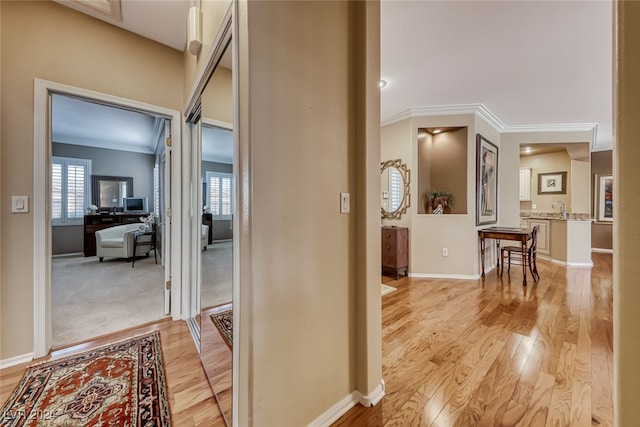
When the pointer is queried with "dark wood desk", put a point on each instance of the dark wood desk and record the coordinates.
(505, 233)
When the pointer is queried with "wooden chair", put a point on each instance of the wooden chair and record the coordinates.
(529, 258)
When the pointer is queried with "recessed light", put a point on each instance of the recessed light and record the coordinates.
(528, 150)
(382, 83)
(436, 131)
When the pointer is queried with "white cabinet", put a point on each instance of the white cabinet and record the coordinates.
(525, 184)
(544, 246)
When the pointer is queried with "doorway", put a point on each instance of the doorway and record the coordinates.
(46, 273)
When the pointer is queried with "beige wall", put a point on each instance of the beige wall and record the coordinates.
(48, 41)
(429, 234)
(395, 144)
(212, 13)
(309, 314)
(626, 227)
(547, 163)
(217, 98)
(580, 187)
(442, 165)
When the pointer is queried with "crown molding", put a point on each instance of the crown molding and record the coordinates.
(492, 119)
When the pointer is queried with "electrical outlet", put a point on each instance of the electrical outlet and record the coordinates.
(445, 251)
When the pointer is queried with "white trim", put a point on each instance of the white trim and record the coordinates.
(332, 414)
(217, 123)
(13, 361)
(446, 276)
(41, 223)
(372, 398)
(493, 120)
(572, 264)
(602, 250)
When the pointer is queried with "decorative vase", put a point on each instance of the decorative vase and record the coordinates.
(439, 210)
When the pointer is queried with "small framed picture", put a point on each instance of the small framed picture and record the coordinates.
(552, 183)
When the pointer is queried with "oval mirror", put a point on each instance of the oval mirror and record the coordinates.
(394, 189)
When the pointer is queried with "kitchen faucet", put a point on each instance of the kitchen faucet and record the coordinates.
(563, 209)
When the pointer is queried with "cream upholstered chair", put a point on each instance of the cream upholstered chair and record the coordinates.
(118, 242)
(204, 237)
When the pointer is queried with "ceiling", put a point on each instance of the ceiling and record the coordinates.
(529, 62)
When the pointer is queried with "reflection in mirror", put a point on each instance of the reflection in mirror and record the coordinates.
(108, 191)
(394, 189)
(216, 185)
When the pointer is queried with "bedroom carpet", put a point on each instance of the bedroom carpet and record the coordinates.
(92, 298)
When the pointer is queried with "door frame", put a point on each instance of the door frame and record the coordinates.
(42, 319)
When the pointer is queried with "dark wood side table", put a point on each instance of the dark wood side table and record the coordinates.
(395, 250)
(144, 238)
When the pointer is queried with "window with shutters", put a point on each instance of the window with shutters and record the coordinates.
(219, 196)
(70, 190)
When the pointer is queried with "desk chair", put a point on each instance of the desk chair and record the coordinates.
(529, 258)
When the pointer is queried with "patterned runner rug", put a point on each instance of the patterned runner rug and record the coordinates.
(119, 384)
(224, 322)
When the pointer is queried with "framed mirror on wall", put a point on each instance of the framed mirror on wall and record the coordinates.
(109, 191)
(395, 185)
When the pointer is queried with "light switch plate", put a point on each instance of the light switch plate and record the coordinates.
(345, 203)
(19, 204)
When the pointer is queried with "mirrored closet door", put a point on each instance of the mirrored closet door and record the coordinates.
(212, 187)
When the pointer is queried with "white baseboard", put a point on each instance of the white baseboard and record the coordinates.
(446, 276)
(339, 409)
(372, 398)
(572, 264)
(602, 251)
(13, 361)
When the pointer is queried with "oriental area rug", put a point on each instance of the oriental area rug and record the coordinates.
(224, 322)
(120, 384)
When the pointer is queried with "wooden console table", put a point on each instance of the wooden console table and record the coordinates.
(505, 233)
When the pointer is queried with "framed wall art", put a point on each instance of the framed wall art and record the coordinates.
(486, 181)
(552, 183)
(604, 185)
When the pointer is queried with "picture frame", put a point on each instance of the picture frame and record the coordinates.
(552, 183)
(486, 181)
(604, 200)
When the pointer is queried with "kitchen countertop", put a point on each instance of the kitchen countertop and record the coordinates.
(556, 217)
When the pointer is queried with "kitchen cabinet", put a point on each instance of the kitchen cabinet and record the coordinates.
(544, 241)
(525, 184)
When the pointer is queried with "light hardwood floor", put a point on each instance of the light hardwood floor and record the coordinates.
(456, 353)
(468, 353)
(190, 396)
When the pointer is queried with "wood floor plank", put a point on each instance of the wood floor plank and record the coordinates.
(550, 363)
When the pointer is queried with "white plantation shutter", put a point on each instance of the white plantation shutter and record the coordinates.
(56, 191)
(219, 194)
(69, 189)
(395, 187)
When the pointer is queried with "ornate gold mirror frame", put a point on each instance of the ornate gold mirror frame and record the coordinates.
(387, 191)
